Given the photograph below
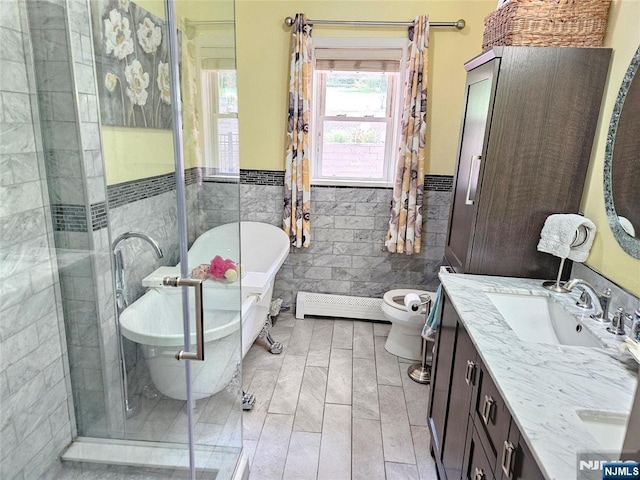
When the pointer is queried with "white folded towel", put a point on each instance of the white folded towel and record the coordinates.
(559, 233)
(632, 346)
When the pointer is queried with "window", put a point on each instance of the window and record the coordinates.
(356, 115)
(221, 122)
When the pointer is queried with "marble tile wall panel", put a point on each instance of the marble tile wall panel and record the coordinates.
(35, 418)
(156, 217)
(348, 226)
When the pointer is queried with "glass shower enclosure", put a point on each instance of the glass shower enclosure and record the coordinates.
(118, 121)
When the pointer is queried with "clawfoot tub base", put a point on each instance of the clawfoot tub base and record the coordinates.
(248, 401)
(265, 334)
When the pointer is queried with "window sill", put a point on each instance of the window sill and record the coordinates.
(351, 183)
(221, 178)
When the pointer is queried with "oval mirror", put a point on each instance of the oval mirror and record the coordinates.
(622, 164)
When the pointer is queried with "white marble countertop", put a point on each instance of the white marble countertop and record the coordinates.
(543, 385)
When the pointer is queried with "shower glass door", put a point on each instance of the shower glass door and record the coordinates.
(161, 155)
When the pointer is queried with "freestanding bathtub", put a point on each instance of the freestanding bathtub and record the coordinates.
(231, 310)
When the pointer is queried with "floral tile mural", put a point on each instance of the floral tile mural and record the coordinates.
(132, 50)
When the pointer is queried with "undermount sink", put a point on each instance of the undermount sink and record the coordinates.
(608, 428)
(540, 319)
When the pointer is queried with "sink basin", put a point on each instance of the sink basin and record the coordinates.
(608, 428)
(540, 319)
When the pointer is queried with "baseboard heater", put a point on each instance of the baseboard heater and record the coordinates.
(344, 306)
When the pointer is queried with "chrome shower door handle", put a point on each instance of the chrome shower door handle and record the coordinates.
(473, 180)
(197, 284)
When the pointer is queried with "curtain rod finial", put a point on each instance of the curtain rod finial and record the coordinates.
(288, 21)
(460, 24)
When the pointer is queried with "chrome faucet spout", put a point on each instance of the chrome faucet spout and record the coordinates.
(140, 235)
(121, 290)
(604, 298)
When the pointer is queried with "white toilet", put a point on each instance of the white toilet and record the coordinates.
(405, 338)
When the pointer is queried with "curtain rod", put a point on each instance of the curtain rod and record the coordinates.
(459, 24)
(209, 22)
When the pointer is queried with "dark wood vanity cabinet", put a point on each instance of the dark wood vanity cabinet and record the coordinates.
(528, 125)
(473, 435)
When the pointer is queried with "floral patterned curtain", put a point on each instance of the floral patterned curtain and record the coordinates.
(297, 185)
(405, 222)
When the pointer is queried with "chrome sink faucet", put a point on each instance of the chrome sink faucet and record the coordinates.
(121, 299)
(604, 298)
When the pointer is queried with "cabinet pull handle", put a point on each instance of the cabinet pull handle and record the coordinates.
(489, 402)
(475, 160)
(479, 474)
(507, 458)
(469, 372)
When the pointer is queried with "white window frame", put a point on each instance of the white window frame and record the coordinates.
(211, 110)
(394, 109)
(214, 41)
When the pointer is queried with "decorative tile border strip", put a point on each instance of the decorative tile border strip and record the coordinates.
(262, 177)
(438, 183)
(432, 183)
(98, 216)
(72, 218)
(128, 192)
(69, 218)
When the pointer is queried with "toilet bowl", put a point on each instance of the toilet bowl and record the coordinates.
(405, 338)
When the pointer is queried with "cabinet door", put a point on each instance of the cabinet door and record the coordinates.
(479, 88)
(463, 379)
(441, 375)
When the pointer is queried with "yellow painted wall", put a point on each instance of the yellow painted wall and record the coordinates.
(606, 256)
(263, 55)
(263, 64)
(132, 153)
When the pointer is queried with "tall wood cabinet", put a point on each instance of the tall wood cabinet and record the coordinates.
(527, 130)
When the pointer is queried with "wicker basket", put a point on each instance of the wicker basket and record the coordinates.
(547, 23)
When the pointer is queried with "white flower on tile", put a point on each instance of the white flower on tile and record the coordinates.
(110, 82)
(123, 5)
(138, 81)
(117, 35)
(163, 82)
(149, 35)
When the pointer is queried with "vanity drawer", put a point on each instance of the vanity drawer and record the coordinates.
(490, 415)
(477, 465)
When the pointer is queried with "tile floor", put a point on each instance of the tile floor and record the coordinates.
(334, 405)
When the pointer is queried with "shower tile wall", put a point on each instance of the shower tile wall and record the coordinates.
(348, 227)
(69, 112)
(149, 205)
(36, 418)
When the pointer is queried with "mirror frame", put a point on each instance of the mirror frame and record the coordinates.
(629, 244)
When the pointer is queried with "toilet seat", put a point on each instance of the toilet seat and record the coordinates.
(395, 298)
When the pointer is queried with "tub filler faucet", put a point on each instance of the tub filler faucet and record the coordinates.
(130, 402)
(603, 298)
(121, 298)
